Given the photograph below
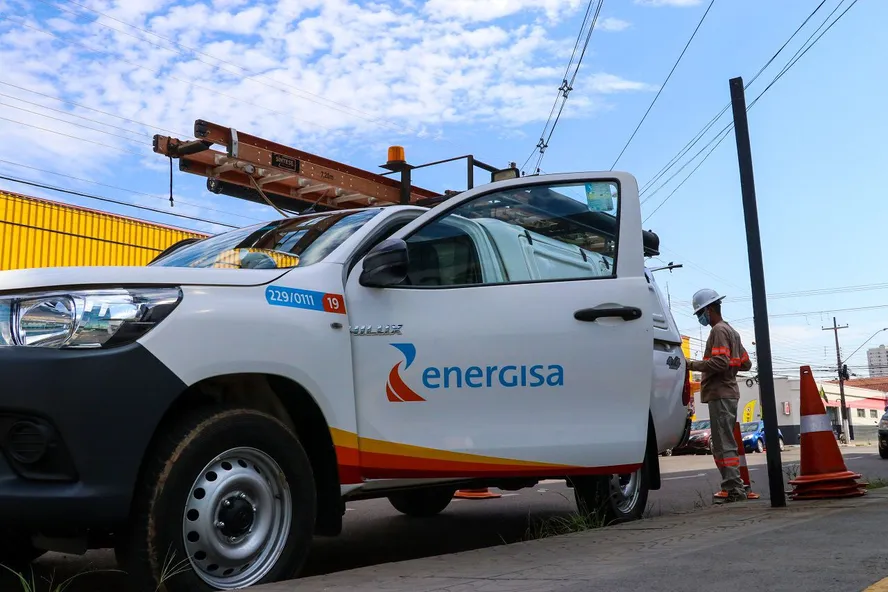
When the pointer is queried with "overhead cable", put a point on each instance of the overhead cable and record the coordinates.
(109, 200)
(662, 86)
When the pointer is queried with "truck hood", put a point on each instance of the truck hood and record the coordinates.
(68, 277)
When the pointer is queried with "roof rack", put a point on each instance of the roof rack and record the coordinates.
(288, 179)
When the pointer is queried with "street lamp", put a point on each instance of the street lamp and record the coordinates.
(864, 343)
(842, 373)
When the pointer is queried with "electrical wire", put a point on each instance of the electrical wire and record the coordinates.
(44, 129)
(109, 114)
(133, 191)
(566, 85)
(75, 235)
(662, 86)
(289, 115)
(245, 73)
(785, 69)
(63, 112)
(109, 200)
(721, 139)
(80, 125)
(693, 142)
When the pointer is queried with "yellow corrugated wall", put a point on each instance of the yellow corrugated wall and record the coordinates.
(40, 233)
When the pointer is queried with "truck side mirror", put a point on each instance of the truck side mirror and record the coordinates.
(386, 264)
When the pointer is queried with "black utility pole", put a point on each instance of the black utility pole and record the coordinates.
(759, 296)
(846, 421)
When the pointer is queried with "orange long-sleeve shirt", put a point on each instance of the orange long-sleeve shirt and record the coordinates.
(723, 358)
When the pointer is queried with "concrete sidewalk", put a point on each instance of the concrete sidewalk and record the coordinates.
(823, 545)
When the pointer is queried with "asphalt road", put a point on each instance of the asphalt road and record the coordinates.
(375, 533)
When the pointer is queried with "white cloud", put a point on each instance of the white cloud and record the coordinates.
(679, 3)
(329, 75)
(485, 10)
(612, 24)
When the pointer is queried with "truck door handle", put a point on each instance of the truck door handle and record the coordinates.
(589, 315)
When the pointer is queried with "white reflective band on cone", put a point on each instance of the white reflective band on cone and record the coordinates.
(815, 423)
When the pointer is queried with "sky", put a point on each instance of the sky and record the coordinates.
(85, 84)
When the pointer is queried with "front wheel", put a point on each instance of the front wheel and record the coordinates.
(883, 449)
(422, 503)
(760, 446)
(226, 501)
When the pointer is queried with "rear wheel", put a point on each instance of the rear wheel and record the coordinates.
(616, 498)
(422, 503)
(227, 500)
(780, 440)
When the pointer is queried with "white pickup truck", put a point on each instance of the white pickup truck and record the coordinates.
(219, 407)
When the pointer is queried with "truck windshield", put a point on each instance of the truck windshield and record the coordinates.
(282, 244)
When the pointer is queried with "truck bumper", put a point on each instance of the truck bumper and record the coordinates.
(74, 427)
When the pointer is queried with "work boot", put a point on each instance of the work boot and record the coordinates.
(732, 496)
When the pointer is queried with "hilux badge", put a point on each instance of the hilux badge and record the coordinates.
(375, 330)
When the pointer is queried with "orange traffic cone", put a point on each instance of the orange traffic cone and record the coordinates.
(483, 493)
(823, 471)
(744, 468)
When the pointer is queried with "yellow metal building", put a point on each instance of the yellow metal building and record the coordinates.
(40, 233)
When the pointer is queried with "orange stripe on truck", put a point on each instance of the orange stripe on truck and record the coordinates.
(377, 459)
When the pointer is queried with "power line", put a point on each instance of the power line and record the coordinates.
(721, 139)
(80, 125)
(807, 293)
(693, 142)
(114, 201)
(109, 114)
(785, 69)
(564, 81)
(662, 86)
(251, 75)
(63, 112)
(133, 191)
(103, 145)
(566, 86)
(75, 235)
(817, 312)
(169, 76)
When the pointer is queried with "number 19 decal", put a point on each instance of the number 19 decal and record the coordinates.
(334, 303)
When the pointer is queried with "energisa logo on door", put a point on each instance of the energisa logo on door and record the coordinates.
(472, 377)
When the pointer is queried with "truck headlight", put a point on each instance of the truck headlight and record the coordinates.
(84, 319)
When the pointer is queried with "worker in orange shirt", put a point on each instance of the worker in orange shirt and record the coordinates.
(723, 358)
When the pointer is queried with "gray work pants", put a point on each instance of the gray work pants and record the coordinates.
(722, 417)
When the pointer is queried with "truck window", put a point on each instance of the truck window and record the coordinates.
(292, 242)
(544, 232)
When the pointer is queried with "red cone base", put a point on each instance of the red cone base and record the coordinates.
(476, 494)
(825, 477)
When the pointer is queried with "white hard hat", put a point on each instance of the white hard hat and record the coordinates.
(704, 298)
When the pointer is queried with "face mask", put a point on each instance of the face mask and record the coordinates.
(704, 318)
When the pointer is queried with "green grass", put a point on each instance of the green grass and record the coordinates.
(876, 483)
(569, 524)
(169, 570)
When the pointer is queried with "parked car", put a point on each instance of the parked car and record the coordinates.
(883, 435)
(753, 434)
(700, 440)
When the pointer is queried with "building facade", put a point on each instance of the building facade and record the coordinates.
(877, 358)
(42, 233)
(865, 406)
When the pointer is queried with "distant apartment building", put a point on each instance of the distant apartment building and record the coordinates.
(877, 357)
